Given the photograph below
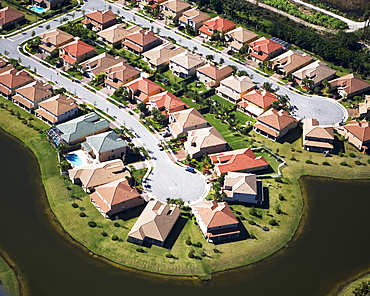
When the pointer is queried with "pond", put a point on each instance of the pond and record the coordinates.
(332, 246)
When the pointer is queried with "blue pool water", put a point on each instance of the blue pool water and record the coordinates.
(74, 159)
(37, 9)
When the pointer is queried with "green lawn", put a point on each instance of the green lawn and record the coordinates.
(347, 291)
(9, 282)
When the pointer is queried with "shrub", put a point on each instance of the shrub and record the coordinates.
(117, 224)
(74, 205)
(92, 224)
(325, 163)
(343, 163)
(82, 214)
(140, 250)
(169, 255)
(352, 155)
(273, 222)
(340, 154)
(278, 210)
(36, 128)
(24, 121)
(191, 254)
(69, 188)
(216, 251)
(309, 161)
(279, 180)
(115, 237)
(104, 233)
(251, 222)
(198, 245)
(292, 149)
(188, 242)
(357, 162)
(293, 158)
(242, 218)
(368, 161)
(40, 131)
(253, 211)
(281, 197)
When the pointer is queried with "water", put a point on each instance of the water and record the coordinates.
(37, 9)
(74, 159)
(332, 248)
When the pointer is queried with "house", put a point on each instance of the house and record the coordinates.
(76, 130)
(76, 51)
(264, 49)
(91, 176)
(239, 37)
(13, 79)
(186, 64)
(216, 220)
(54, 39)
(120, 74)
(211, 75)
(99, 20)
(290, 61)
(317, 72)
(142, 88)
(5, 66)
(154, 224)
(317, 138)
(186, 120)
(243, 188)
(114, 35)
(215, 26)
(350, 85)
(274, 124)
(141, 41)
(357, 133)
(166, 101)
(105, 146)
(160, 56)
(364, 108)
(115, 197)
(98, 64)
(204, 141)
(256, 102)
(233, 87)
(151, 3)
(173, 9)
(30, 95)
(242, 160)
(193, 18)
(9, 18)
(57, 109)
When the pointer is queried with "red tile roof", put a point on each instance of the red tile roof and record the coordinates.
(276, 119)
(101, 17)
(8, 15)
(216, 24)
(144, 85)
(142, 37)
(77, 48)
(360, 129)
(262, 99)
(215, 214)
(168, 101)
(265, 45)
(14, 78)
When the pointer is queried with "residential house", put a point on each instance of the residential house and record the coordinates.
(275, 124)
(186, 64)
(142, 88)
(357, 133)
(204, 141)
(233, 88)
(242, 160)
(115, 197)
(13, 79)
(154, 224)
(160, 56)
(30, 95)
(151, 3)
(57, 109)
(364, 108)
(256, 102)
(173, 9)
(350, 85)
(243, 188)
(105, 146)
(120, 74)
(99, 20)
(50, 4)
(264, 49)
(193, 18)
(76, 130)
(141, 41)
(316, 72)
(76, 51)
(98, 64)
(187, 120)
(5, 66)
(216, 221)
(91, 176)
(114, 35)
(211, 75)
(317, 138)
(290, 61)
(166, 102)
(9, 18)
(239, 37)
(215, 26)
(54, 39)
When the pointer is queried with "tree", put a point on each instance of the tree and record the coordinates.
(142, 107)
(47, 27)
(362, 290)
(33, 33)
(222, 61)
(158, 116)
(268, 86)
(210, 57)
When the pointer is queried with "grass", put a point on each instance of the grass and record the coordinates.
(347, 290)
(9, 282)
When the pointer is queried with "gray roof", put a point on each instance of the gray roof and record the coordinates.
(82, 126)
(105, 142)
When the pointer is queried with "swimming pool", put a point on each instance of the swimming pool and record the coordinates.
(37, 9)
(74, 159)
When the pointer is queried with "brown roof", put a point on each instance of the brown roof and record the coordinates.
(56, 37)
(216, 24)
(276, 119)
(262, 99)
(176, 5)
(46, 115)
(117, 32)
(101, 62)
(162, 54)
(265, 45)
(237, 160)
(350, 83)
(311, 128)
(195, 15)
(77, 48)
(145, 85)
(168, 101)
(360, 129)
(35, 91)
(101, 17)
(316, 71)
(215, 72)
(3, 63)
(188, 118)
(59, 104)
(8, 15)
(242, 35)
(13, 78)
(122, 72)
(243, 183)
(291, 60)
(142, 37)
(6, 68)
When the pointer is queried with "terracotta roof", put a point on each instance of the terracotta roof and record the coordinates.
(242, 35)
(215, 214)
(316, 71)
(291, 60)
(13, 78)
(215, 72)
(122, 72)
(276, 119)
(142, 37)
(265, 45)
(216, 24)
(46, 115)
(117, 32)
(176, 5)
(101, 62)
(360, 129)
(318, 144)
(6, 68)
(8, 15)
(168, 101)
(237, 160)
(77, 48)
(163, 53)
(23, 101)
(35, 91)
(350, 83)
(156, 221)
(3, 63)
(266, 129)
(311, 128)
(59, 104)
(188, 60)
(195, 15)
(145, 85)
(101, 17)
(262, 99)
(56, 37)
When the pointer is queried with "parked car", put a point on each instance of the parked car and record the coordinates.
(190, 169)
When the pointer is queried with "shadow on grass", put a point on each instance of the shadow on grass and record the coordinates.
(292, 136)
(244, 234)
(175, 232)
(338, 146)
(128, 214)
